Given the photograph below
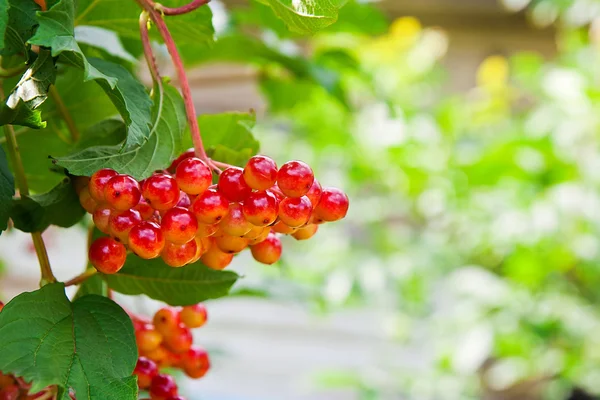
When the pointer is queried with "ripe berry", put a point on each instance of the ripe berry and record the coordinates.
(166, 320)
(177, 255)
(193, 316)
(235, 224)
(122, 192)
(107, 255)
(333, 205)
(205, 230)
(179, 225)
(199, 249)
(196, 362)
(160, 355)
(147, 338)
(214, 258)
(146, 212)
(295, 178)
(161, 191)
(193, 176)
(210, 207)
(179, 340)
(120, 223)
(1, 307)
(260, 172)
(232, 184)
(146, 240)
(268, 251)
(162, 387)
(101, 217)
(263, 235)
(87, 201)
(260, 208)
(145, 369)
(231, 244)
(10, 392)
(305, 232)
(98, 182)
(281, 227)
(255, 232)
(186, 154)
(314, 193)
(295, 211)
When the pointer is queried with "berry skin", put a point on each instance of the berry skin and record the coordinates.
(147, 338)
(281, 227)
(101, 216)
(232, 184)
(263, 236)
(122, 192)
(193, 316)
(260, 172)
(295, 211)
(176, 398)
(179, 225)
(166, 320)
(196, 362)
(210, 207)
(87, 201)
(146, 212)
(314, 193)
(146, 240)
(1, 307)
(235, 224)
(267, 251)
(333, 205)
(193, 176)
(98, 182)
(160, 355)
(255, 232)
(145, 369)
(214, 258)
(186, 154)
(295, 178)
(79, 183)
(260, 208)
(161, 192)
(162, 387)
(177, 255)
(231, 244)
(305, 232)
(107, 255)
(121, 223)
(205, 230)
(179, 340)
(200, 249)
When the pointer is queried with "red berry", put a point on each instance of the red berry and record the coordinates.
(193, 175)
(162, 387)
(231, 244)
(145, 369)
(186, 154)
(10, 392)
(122, 192)
(107, 255)
(232, 184)
(98, 182)
(147, 338)
(260, 208)
(205, 230)
(166, 320)
(160, 355)
(177, 255)
(87, 201)
(176, 398)
(101, 217)
(305, 232)
(146, 212)
(179, 340)
(214, 258)
(333, 205)
(235, 224)
(314, 193)
(161, 191)
(196, 362)
(260, 172)
(120, 223)
(281, 227)
(295, 178)
(295, 211)
(210, 207)
(193, 316)
(146, 240)
(1, 307)
(179, 225)
(268, 251)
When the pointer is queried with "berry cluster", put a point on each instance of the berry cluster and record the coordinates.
(13, 388)
(167, 341)
(179, 215)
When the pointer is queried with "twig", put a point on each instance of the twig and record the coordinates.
(81, 277)
(191, 6)
(65, 114)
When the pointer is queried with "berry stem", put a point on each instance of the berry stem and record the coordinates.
(65, 114)
(81, 277)
(191, 6)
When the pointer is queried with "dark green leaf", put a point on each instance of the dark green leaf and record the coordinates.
(7, 190)
(21, 106)
(306, 16)
(176, 286)
(164, 145)
(59, 207)
(87, 345)
(17, 25)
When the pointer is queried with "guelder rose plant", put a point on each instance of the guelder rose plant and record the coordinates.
(165, 219)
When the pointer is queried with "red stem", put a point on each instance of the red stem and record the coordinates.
(191, 6)
(148, 53)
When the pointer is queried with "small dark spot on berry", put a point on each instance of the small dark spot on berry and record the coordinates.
(219, 218)
(117, 193)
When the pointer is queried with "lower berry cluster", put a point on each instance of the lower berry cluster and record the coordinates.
(181, 216)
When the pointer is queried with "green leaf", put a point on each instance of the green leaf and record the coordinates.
(59, 207)
(176, 286)
(164, 145)
(21, 106)
(7, 190)
(103, 39)
(17, 25)
(306, 16)
(92, 285)
(87, 346)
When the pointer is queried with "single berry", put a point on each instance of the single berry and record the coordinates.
(263, 236)
(196, 362)
(177, 255)
(255, 232)
(295, 178)
(147, 338)
(179, 225)
(314, 193)
(186, 154)
(146, 240)
(231, 244)
(333, 205)
(175, 360)
(232, 184)
(166, 320)
(281, 227)
(193, 316)
(161, 191)
(107, 255)
(179, 340)
(101, 216)
(260, 172)
(235, 224)
(205, 230)
(10, 392)
(210, 207)
(193, 176)
(160, 355)
(79, 183)
(87, 201)
(122, 192)
(146, 212)
(268, 251)
(121, 223)
(260, 208)
(184, 200)
(163, 386)
(305, 232)
(214, 258)
(295, 211)
(98, 182)
(145, 369)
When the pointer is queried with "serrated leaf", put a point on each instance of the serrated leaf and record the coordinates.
(88, 345)
(164, 144)
(306, 16)
(175, 286)
(59, 207)
(17, 25)
(7, 190)
(22, 105)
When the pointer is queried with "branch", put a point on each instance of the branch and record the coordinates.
(81, 277)
(191, 6)
(64, 113)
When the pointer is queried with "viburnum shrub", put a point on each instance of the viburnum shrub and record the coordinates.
(165, 219)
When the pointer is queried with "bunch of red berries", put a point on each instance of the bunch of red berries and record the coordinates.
(182, 217)
(13, 388)
(167, 341)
